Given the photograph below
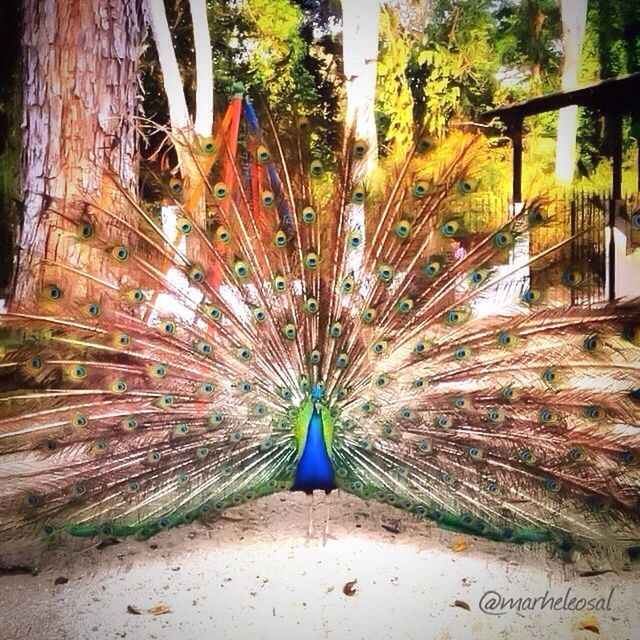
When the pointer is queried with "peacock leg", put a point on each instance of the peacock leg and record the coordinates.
(327, 505)
(310, 528)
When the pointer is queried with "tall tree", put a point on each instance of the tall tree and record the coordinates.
(80, 62)
(360, 33)
(574, 22)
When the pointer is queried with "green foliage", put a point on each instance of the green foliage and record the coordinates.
(611, 48)
(527, 38)
(394, 102)
(454, 69)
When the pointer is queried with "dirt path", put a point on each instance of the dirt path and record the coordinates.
(253, 575)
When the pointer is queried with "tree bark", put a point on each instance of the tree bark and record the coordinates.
(574, 23)
(80, 65)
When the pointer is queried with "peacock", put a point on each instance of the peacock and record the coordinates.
(287, 320)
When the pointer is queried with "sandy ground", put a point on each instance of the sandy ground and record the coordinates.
(254, 574)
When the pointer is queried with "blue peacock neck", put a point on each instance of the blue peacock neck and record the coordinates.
(314, 468)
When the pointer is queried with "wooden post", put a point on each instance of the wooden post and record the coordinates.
(615, 128)
(515, 133)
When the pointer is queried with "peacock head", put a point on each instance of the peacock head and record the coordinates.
(317, 392)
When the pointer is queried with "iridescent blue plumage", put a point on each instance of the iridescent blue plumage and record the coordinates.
(315, 469)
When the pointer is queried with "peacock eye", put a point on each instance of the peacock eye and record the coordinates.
(53, 292)
(260, 315)
(467, 185)
(216, 418)
(208, 145)
(358, 195)
(135, 296)
(552, 485)
(460, 402)
(382, 381)
(311, 260)
(289, 331)
(203, 348)
(536, 217)
(262, 154)
(342, 360)
(402, 229)
(220, 191)
(492, 487)
(185, 226)
(462, 353)
(405, 305)
(280, 239)
(79, 420)
(532, 296)
(119, 386)
(244, 353)
(368, 315)
(311, 305)
(213, 313)
(572, 278)
(267, 198)
(577, 454)
(449, 229)
(280, 284)
(424, 145)
(176, 186)
(223, 234)
(355, 239)
(314, 356)
(503, 240)
(202, 453)
(424, 446)
(360, 148)
(120, 253)
(241, 269)
(84, 230)
(182, 429)
(420, 189)
(285, 393)
(335, 330)
(130, 424)
(386, 273)
(316, 169)
(593, 344)
(348, 285)
(168, 327)
(309, 215)
(379, 346)
(196, 274)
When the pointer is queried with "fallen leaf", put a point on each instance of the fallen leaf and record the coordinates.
(393, 526)
(589, 624)
(159, 609)
(349, 589)
(61, 580)
(458, 545)
(462, 604)
(134, 610)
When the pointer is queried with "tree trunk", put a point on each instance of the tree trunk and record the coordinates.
(574, 23)
(80, 64)
(360, 26)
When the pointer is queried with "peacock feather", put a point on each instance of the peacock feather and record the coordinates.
(290, 321)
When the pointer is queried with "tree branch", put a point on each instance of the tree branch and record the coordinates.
(204, 72)
(173, 86)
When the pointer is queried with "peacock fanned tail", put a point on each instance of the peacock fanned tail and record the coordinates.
(172, 363)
